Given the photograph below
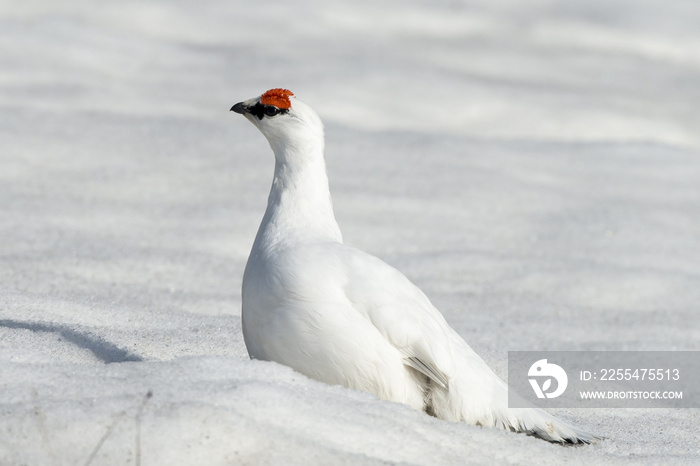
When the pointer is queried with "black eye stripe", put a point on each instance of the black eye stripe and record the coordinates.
(261, 110)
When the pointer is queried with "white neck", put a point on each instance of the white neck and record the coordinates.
(299, 207)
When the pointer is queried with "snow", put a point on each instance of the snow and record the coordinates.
(533, 166)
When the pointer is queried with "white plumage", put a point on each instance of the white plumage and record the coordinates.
(342, 316)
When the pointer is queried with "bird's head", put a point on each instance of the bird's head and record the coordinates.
(287, 123)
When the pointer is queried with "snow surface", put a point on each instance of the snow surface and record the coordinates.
(533, 166)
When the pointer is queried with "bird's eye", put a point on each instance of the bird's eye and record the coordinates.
(271, 111)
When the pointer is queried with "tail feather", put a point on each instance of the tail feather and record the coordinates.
(534, 421)
(537, 422)
(476, 395)
(490, 408)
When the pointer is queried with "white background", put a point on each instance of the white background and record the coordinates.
(532, 166)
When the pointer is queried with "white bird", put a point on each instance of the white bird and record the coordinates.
(342, 316)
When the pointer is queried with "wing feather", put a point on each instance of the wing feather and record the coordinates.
(428, 370)
(402, 313)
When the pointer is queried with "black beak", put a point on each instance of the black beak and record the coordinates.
(239, 108)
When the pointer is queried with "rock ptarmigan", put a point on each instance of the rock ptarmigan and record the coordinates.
(342, 316)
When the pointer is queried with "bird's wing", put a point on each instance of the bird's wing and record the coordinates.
(404, 316)
(401, 312)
